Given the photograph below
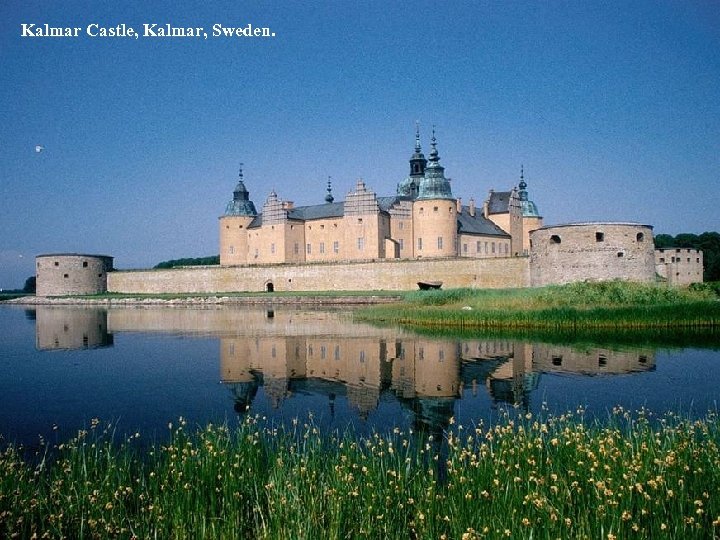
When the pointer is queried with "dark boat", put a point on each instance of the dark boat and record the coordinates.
(427, 285)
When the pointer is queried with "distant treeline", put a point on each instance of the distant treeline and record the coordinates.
(707, 242)
(190, 261)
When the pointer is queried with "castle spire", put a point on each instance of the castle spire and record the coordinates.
(417, 136)
(434, 157)
(522, 185)
(434, 185)
(329, 197)
(417, 160)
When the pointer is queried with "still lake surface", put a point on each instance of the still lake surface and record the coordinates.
(143, 367)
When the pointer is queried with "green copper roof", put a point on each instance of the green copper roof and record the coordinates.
(241, 205)
(434, 185)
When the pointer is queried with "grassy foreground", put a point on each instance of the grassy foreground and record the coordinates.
(634, 477)
(611, 305)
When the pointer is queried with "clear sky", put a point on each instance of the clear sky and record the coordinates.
(613, 108)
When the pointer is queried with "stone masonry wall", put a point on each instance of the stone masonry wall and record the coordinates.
(592, 252)
(375, 275)
(71, 273)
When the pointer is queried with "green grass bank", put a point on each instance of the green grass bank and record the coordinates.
(612, 305)
(632, 477)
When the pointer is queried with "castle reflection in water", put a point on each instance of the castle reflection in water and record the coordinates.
(325, 352)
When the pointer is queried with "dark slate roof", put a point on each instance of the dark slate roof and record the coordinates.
(479, 224)
(317, 211)
(499, 202)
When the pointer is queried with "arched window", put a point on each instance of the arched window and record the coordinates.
(640, 237)
(555, 239)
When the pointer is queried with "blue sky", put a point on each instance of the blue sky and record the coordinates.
(613, 108)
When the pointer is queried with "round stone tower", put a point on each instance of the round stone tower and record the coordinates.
(239, 213)
(597, 251)
(435, 212)
(63, 274)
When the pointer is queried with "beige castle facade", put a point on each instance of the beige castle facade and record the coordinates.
(422, 220)
(422, 233)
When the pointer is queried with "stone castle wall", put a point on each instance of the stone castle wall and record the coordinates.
(71, 273)
(679, 266)
(591, 252)
(376, 275)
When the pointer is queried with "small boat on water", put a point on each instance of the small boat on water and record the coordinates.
(427, 285)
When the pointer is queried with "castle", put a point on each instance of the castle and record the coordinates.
(422, 234)
(422, 220)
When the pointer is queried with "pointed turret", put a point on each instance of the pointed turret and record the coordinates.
(241, 205)
(434, 185)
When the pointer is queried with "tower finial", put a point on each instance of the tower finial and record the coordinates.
(522, 185)
(433, 142)
(417, 136)
(240, 173)
(329, 197)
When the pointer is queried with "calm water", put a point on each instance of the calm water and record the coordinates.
(141, 368)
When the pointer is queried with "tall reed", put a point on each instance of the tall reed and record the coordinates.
(634, 476)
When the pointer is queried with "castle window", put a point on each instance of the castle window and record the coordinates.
(493, 247)
(309, 249)
(478, 246)
(599, 237)
(231, 250)
(440, 242)
(359, 220)
(697, 260)
(620, 254)
(227, 226)
(85, 263)
(557, 360)
(272, 248)
(296, 248)
(360, 243)
(555, 239)
(486, 248)
(464, 248)
(239, 227)
(57, 263)
(422, 210)
(662, 259)
(322, 352)
(400, 241)
(401, 225)
(688, 259)
(435, 209)
(322, 247)
(419, 244)
(66, 276)
(322, 226)
(602, 361)
(336, 246)
(640, 237)
(337, 352)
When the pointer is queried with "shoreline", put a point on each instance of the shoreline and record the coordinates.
(208, 300)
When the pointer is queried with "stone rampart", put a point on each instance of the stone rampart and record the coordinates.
(597, 251)
(63, 274)
(372, 275)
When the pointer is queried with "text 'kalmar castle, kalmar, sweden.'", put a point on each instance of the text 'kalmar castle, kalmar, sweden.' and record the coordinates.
(421, 234)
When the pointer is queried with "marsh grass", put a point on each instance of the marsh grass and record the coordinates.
(633, 476)
(607, 305)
